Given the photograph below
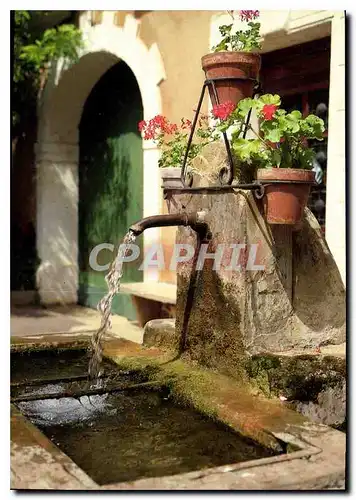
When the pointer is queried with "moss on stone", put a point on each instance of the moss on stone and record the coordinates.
(215, 344)
(299, 378)
(187, 384)
(47, 345)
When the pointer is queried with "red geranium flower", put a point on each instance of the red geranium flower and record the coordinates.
(224, 110)
(156, 126)
(141, 125)
(249, 15)
(269, 110)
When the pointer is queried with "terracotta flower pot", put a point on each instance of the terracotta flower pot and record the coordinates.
(170, 177)
(242, 65)
(286, 193)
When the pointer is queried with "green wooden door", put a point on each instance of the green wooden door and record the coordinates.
(110, 180)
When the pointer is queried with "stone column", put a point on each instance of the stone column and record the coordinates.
(57, 222)
(335, 186)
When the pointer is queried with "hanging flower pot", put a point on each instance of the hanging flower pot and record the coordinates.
(286, 193)
(239, 71)
(280, 153)
(234, 64)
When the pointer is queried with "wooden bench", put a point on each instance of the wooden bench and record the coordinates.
(151, 300)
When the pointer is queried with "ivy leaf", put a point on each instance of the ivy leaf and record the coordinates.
(225, 29)
(221, 46)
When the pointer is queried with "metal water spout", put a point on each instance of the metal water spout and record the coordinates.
(195, 220)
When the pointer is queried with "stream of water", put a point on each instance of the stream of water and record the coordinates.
(113, 280)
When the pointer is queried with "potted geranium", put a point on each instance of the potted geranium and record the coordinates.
(235, 57)
(279, 152)
(172, 139)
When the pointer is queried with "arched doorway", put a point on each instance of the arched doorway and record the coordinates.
(110, 179)
(57, 150)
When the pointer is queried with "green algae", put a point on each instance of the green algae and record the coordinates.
(187, 384)
(213, 394)
(299, 378)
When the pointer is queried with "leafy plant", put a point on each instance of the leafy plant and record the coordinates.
(172, 139)
(245, 40)
(282, 139)
(34, 49)
(63, 41)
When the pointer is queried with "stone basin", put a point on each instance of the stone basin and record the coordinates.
(239, 440)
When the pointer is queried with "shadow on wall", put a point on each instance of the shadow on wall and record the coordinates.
(24, 260)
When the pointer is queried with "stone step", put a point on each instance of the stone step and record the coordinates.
(151, 290)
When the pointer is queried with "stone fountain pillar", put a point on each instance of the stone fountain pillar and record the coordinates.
(287, 297)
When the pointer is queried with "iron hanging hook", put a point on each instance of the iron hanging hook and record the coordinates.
(260, 191)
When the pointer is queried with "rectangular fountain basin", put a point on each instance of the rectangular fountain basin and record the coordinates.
(123, 435)
(122, 432)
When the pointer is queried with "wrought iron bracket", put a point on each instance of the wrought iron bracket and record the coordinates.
(226, 174)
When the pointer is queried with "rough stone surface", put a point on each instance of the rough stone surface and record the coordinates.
(314, 385)
(37, 464)
(296, 302)
(160, 333)
(330, 408)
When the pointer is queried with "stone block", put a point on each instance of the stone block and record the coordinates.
(160, 333)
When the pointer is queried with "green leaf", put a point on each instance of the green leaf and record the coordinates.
(223, 127)
(280, 112)
(276, 157)
(289, 123)
(221, 46)
(305, 157)
(248, 150)
(317, 126)
(296, 114)
(244, 106)
(271, 131)
(225, 29)
(270, 99)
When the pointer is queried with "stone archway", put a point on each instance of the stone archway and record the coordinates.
(57, 149)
